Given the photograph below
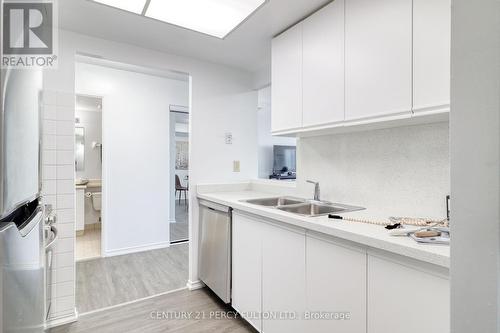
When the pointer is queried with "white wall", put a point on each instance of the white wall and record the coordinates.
(220, 96)
(475, 171)
(392, 172)
(91, 121)
(265, 140)
(136, 158)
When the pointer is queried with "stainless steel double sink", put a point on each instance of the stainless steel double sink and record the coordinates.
(303, 207)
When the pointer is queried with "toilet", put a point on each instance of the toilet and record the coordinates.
(96, 201)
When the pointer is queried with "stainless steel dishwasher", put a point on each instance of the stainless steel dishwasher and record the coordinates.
(215, 248)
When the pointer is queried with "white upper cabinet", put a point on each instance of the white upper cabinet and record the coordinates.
(323, 66)
(378, 58)
(362, 61)
(431, 55)
(287, 80)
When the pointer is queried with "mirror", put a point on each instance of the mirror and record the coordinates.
(79, 149)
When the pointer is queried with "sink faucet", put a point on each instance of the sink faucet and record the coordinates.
(316, 190)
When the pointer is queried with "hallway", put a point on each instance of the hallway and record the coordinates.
(110, 281)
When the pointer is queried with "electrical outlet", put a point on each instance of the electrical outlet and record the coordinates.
(229, 138)
(236, 166)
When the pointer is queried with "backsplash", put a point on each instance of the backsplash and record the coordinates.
(392, 172)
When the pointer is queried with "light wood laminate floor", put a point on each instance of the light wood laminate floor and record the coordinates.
(110, 281)
(180, 229)
(138, 317)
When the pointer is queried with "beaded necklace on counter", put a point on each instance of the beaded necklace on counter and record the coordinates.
(421, 222)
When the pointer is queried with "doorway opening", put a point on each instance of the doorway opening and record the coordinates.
(137, 260)
(88, 171)
(179, 154)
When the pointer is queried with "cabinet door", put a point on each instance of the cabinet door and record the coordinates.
(283, 280)
(378, 58)
(246, 268)
(402, 299)
(287, 80)
(336, 283)
(323, 73)
(431, 55)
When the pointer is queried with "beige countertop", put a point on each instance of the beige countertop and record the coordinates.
(92, 184)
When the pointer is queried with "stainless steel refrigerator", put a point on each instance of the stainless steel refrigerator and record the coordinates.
(22, 236)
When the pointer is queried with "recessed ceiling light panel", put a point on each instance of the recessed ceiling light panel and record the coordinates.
(213, 17)
(134, 6)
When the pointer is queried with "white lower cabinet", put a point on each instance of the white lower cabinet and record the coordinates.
(336, 286)
(246, 268)
(283, 279)
(287, 279)
(407, 298)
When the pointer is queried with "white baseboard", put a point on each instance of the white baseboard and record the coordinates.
(194, 285)
(131, 302)
(63, 320)
(135, 249)
(59, 321)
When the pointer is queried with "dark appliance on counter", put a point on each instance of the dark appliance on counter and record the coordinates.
(284, 165)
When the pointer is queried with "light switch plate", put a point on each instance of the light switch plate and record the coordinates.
(236, 166)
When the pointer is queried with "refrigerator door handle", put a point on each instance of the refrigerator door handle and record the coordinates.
(51, 218)
(32, 222)
(54, 232)
(54, 236)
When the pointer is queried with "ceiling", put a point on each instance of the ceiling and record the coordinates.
(248, 47)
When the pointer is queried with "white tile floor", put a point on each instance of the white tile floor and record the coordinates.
(88, 245)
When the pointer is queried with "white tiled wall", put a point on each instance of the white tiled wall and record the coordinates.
(59, 190)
